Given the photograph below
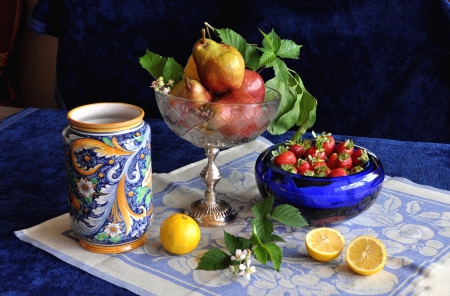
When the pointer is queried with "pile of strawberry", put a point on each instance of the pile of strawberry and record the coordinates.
(322, 157)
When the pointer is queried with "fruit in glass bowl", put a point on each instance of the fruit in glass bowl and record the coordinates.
(218, 124)
(321, 200)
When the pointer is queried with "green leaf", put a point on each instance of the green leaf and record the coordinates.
(141, 192)
(232, 38)
(288, 49)
(252, 57)
(275, 255)
(288, 111)
(281, 71)
(235, 242)
(288, 215)
(261, 254)
(153, 63)
(307, 123)
(254, 238)
(172, 70)
(307, 110)
(263, 227)
(262, 209)
(267, 58)
(94, 181)
(107, 141)
(271, 41)
(276, 238)
(214, 259)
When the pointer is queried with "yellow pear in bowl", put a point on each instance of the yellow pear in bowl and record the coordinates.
(191, 89)
(220, 66)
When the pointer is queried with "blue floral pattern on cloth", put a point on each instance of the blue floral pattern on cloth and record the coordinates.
(412, 221)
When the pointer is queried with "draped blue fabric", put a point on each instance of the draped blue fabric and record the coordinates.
(377, 68)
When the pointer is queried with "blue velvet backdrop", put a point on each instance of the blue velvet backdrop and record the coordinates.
(377, 68)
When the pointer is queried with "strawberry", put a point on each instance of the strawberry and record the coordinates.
(344, 160)
(356, 169)
(302, 165)
(321, 170)
(289, 168)
(287, 157)
(326, 142)
(309, 173)
(337, 172)
(360, 157)
(316, 161)
(346, 146)
(313, 152)
(331, 162)
(297, 148)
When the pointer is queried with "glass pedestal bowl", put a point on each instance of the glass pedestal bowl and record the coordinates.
(321, 201)
(214, 126)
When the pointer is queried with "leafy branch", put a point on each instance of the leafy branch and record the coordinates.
(261, 243)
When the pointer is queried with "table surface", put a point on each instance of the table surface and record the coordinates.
(33, 180)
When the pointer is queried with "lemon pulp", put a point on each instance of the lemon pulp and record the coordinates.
(324, 244)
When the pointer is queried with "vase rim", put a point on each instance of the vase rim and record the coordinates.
(105, 117)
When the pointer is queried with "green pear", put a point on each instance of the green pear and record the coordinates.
(220, 66)
(191, 89)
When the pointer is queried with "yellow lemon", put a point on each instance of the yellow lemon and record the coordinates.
(179, 234)
(366, 255)
(324, 244)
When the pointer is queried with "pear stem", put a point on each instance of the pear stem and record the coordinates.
(203, 36)
(187, 82)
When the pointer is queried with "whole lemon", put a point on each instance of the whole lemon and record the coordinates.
(179, 234)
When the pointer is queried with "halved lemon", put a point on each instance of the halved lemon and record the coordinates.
(366, 255)
(324, 244)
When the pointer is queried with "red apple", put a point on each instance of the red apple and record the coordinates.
(253, 84)
(236, 114)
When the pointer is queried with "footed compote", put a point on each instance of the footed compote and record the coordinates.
(214, 126)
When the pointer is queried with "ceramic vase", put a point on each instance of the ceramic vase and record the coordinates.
(109, 176)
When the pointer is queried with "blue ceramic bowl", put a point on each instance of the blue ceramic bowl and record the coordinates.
(320, 200)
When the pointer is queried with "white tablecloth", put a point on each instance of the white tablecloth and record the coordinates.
(413, 222)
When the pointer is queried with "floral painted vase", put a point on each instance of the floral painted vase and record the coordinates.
(109, 176)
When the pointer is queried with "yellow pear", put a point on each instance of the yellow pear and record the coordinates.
(220, 66)
(191, 89)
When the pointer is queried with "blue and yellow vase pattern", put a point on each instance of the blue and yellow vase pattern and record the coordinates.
(109, 183)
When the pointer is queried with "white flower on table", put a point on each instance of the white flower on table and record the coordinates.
(113, 229)
(246, 269)
(243, 267)
(240, 255)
